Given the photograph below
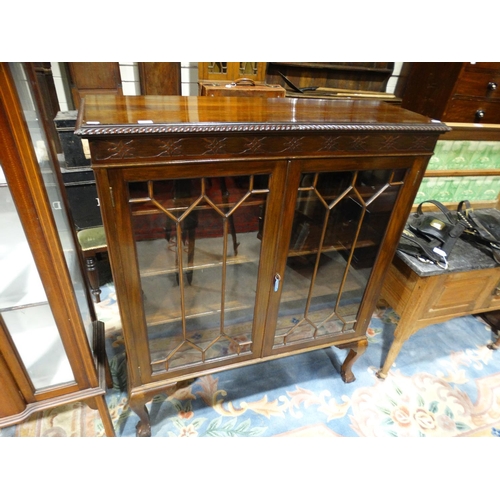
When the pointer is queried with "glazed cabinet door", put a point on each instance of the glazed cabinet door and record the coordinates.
(336, 213)
(231, 70)
(193, 264)
(44, 307)
(25, 313)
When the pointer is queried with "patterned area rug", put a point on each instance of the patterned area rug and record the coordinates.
(445, 383)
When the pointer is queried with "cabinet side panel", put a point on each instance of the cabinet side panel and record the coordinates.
(429, 87)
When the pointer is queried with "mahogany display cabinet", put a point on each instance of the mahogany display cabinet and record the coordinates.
(51, 343)
(246, 229)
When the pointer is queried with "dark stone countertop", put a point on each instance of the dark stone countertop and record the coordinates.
(464, 256)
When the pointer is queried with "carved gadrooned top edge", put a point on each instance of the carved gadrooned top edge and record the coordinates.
(96, 130)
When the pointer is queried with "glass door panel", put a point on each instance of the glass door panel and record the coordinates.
(231, 70)
(248, 69)
(24, 309)
(340, 220)
(217, 68)
(198, 246)
(36, 337)
(48, 170)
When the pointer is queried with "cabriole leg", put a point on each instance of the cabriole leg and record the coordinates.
(495, 345)
(355, 352)
(138, 406)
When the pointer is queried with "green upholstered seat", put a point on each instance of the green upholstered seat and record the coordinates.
(92, 242)
(92, 238)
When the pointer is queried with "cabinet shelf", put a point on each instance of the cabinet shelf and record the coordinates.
(361, 67)
(203, 297)
(462, 173)
(331, 248)
(151, 209)
(156, 258)
(27, 305)
(160, 319)
(292, 302)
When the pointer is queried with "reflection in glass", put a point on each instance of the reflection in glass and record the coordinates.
(340, 220)
(198, 247)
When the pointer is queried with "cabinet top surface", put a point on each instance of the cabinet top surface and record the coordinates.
(116, 115)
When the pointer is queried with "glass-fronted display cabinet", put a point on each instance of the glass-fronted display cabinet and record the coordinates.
(245, 229)
(51, 344)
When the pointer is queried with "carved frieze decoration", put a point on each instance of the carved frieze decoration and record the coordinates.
(190, 146)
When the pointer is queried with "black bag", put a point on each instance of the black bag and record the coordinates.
(482, 229)
(431, 239)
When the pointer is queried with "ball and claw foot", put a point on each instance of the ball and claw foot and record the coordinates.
(138, 406)
(494, 345)
(347, 378)
(355, 352)
(142, 430)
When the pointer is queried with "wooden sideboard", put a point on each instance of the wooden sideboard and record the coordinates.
(276, 222)
(465, 165)
(423, 294)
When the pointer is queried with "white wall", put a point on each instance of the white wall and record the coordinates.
(130, 78)
(391, 84)
(62, 86)
(129, 72)
(189, 78)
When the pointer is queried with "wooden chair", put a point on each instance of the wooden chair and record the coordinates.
(92, 242)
